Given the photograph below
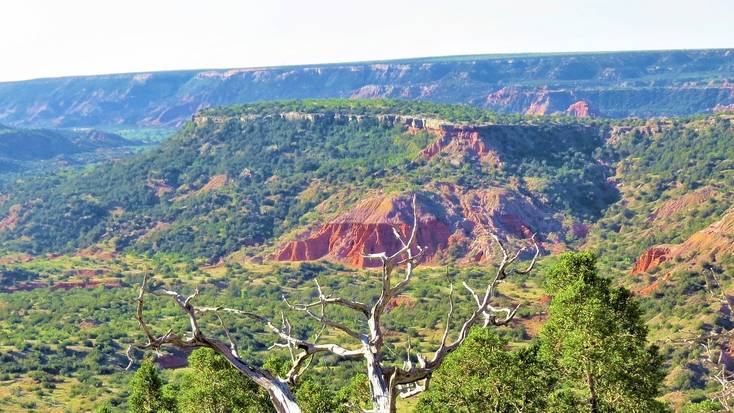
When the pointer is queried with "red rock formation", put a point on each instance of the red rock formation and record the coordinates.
(368, 228)
(710, 244)
(87, 283)
(502, 98)
(547, 102)
(400, 301)
(580, 109)
(459, 141)
(215, 182)
(539, 107)
(449, 216)
(652, 257)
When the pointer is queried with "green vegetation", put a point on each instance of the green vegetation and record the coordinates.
(242, 186)
(33, 152)
(483, 376)
(218, 187)
(591, 356)
(80, 335)
(212, 385)
(38, 144)
(146, 395)
(596, 343)
(681, 157)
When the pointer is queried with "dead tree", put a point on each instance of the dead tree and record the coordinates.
(715, 342)
(387, 381)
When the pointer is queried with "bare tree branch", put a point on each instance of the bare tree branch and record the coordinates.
(387, 381)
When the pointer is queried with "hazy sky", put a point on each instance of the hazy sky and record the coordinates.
(40, 38)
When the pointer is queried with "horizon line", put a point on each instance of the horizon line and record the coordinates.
(408, 60)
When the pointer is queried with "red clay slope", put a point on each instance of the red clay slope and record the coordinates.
(448, 217)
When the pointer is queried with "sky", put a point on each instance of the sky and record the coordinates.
(49, 38)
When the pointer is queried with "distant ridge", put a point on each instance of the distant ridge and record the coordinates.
(607, 84)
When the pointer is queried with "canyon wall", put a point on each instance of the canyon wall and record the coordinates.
(586, 84)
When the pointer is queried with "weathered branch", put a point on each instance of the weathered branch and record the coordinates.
(713, 344)
(386, 381)
(282, 398)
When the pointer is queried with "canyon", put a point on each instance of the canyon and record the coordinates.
(619, 84)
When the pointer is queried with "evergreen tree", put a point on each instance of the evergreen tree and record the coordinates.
(596, 343)
(213, 386)
(482, 376)
(314, 397)
(145, 390)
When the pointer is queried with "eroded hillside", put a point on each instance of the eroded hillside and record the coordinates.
(281, 180)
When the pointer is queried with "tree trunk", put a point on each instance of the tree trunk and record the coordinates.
(280, 394)
(593, 402)
(383, 401)
(283, 399)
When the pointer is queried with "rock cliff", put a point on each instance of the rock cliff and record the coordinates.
(707, 246)
(451, 221)
(654, 83)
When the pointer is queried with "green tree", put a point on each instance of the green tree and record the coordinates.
(105, 407)
(145, 390)
(213, 386)
(596, 343)
(482, 376)
(314, 397)
(356, 393)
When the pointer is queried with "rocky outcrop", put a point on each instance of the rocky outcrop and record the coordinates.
(402, 301)
(682, 203)
(651, 127)
(652, 257)
(452, 220)
(616, 84)
(160, 186)
(454, 139)
(459, 141)
(581, 109)
(368, 228)
(724, 108)
(708, 245)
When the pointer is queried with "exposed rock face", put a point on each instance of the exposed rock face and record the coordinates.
(368, 228)
(216, 182)
(712, 242)
(458, 140)
(548, 102)
(707, 245)
(652, 257)
(664, 84)
(160, 187)
(686, 201)
(651, 127)
(450, 219)
(400, 301)
(724, 108)
(580, 109)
